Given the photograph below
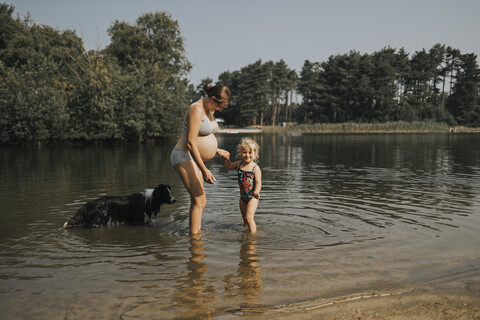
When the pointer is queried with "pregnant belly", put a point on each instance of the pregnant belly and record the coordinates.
(207, 145)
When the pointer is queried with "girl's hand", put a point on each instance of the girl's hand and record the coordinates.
(208, 177)
(224, 154)
(256, 195)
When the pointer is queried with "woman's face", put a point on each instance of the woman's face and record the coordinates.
(220, 104)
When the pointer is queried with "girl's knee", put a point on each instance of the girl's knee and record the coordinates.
(252, 226)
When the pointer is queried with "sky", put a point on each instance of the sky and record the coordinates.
(226, 35)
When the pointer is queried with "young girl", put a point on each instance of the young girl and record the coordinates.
(249, 180)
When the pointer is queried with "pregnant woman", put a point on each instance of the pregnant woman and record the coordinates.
(197, 145)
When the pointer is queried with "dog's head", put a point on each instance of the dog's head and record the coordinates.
(161, 194)
(165, 194)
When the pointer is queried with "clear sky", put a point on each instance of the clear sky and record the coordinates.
(226, 35)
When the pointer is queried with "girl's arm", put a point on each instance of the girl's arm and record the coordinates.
(229, 165)
(258, 182)
(195, 117)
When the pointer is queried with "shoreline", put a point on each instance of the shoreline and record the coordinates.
(238, 130)
(319, 128)
(456, 303)
(356, 128)
(371, 128)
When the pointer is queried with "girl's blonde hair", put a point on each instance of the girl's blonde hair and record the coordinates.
(251, 144)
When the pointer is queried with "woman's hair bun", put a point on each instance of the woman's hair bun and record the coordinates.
(219, 91)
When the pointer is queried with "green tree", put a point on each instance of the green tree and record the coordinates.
(464, 103)
(150, 53)
(232, 114)
(292, 79)
(93, 106)
(309, 87)
(279, 88)
(35, 79)
(383, 74)
(253, 90)
(53, 90)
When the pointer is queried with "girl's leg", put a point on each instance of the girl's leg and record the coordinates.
(250, 213)
(243, 210)
(192, 179)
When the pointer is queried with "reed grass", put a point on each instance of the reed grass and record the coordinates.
(384, 127)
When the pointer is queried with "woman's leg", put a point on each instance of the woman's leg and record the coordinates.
(192, 179)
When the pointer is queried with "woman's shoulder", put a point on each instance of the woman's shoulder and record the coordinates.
(197, 104)
(196, 109)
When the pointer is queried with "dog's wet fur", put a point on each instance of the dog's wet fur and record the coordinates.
(137, 208)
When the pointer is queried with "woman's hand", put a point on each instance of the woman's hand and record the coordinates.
(208, 177)
(224, 154)
(256, 195)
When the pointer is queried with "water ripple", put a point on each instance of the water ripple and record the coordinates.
(338, 215)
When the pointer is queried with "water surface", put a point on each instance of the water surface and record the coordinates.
(339, 215)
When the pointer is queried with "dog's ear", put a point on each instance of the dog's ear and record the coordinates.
(164, 186)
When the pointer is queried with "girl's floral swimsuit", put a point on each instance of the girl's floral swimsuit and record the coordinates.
(246, 182)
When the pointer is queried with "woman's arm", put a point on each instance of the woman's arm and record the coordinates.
(195, 117)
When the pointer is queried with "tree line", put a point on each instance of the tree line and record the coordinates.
(136, 88)
(52, 89)
(440, 84)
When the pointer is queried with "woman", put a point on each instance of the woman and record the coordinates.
(198, 145)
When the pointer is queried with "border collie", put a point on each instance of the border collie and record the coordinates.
(137, 208)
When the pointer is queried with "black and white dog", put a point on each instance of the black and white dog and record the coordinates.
(137, 208)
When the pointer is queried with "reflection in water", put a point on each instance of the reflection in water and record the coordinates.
(247, 283)
(194, 295)
(249, 273)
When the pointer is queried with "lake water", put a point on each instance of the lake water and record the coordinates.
(340, 215)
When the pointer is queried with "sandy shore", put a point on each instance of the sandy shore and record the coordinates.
(415, 304)
(460, 302)
(238, 130)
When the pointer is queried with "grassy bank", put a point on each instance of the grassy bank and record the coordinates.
(386, 127)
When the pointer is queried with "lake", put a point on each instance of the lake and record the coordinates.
(340, 215)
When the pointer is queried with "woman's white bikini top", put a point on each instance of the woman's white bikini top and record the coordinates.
(206, 127)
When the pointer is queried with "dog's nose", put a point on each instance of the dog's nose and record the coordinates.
(173, 200)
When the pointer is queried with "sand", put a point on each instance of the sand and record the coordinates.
(420, 303)
(414, 304)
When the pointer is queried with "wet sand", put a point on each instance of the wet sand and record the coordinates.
(415, 304)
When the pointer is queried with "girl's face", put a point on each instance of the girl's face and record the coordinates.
(247, 154)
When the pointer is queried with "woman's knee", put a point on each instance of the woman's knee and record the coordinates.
(199, 201)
